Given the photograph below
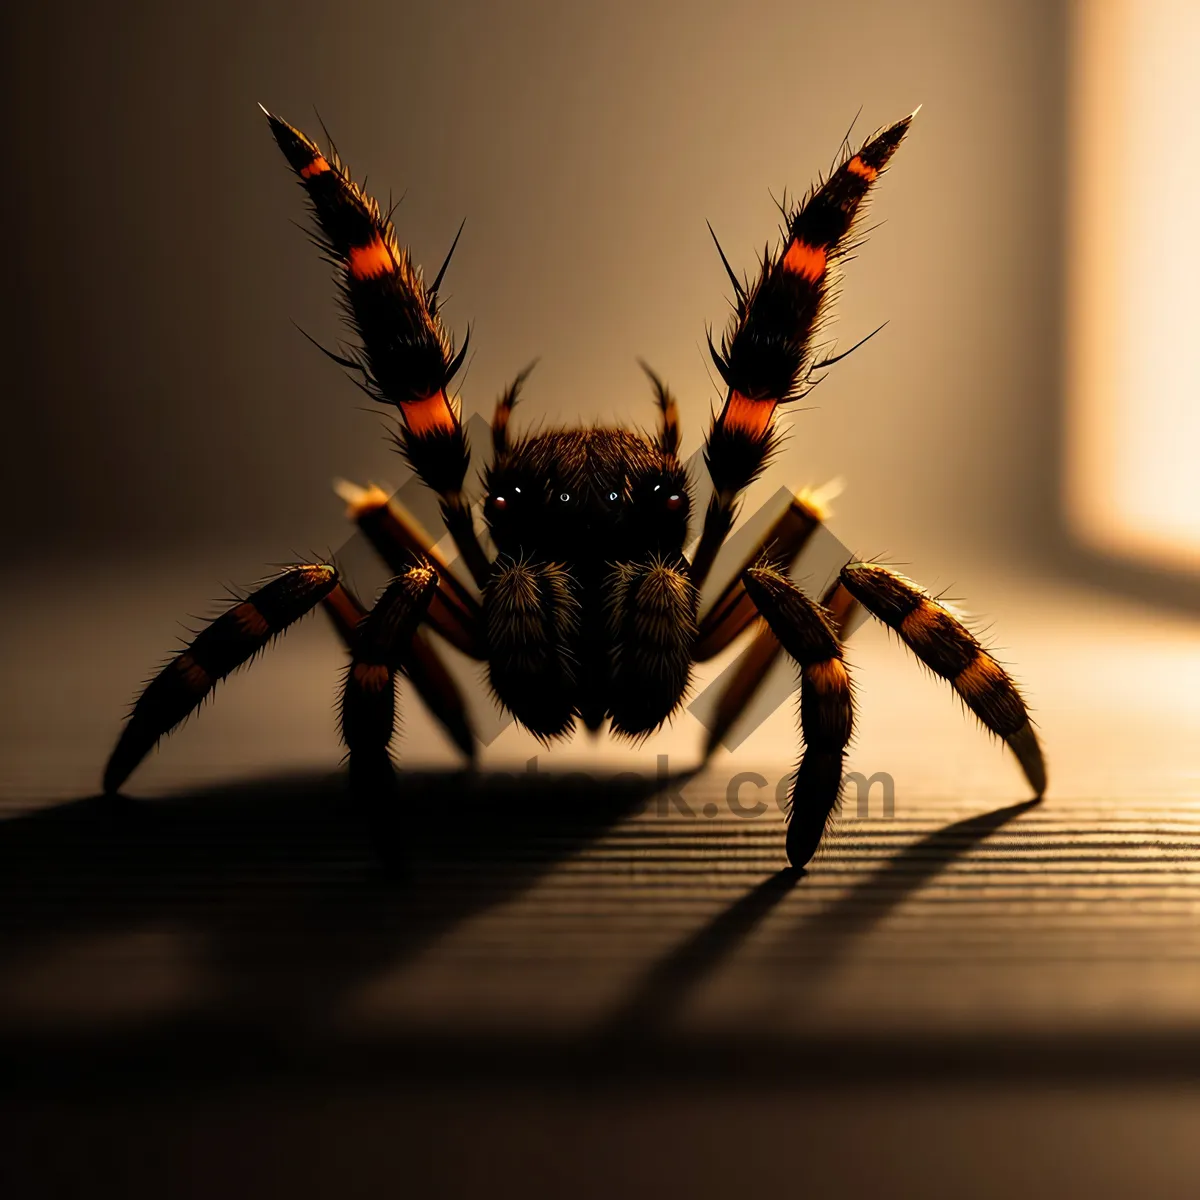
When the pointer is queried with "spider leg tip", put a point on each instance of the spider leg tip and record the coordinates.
(1024, 744)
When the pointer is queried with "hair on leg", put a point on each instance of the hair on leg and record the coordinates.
(397, 536)
(767, 357)
(733, 612)
(944, 644)
(420, 664)
(804, 630)
(220, 648)
(405, 356)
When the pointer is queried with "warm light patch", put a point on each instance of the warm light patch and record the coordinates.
(1133, 385)
(804, 260)
(372, 260)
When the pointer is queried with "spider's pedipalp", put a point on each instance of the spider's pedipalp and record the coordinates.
(503, 411)
(217, 650)
(668, 433)
(533, 615)
(651, 611)
(945, 645)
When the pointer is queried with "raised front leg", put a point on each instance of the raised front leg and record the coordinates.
(766, 356)
(406, 356)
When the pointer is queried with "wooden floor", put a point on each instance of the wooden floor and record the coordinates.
(584, 933)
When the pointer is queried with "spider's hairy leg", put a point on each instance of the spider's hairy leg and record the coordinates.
(755, 664)
(420, 664)
(941, 641)
(652, 626)
(533, 618)
(218, 649)
(766, 354)
(406, 357)
(380, 643)
(397, 535)
(805, 631)
(733, 611)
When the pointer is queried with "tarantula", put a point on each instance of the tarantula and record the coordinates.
(590, 609)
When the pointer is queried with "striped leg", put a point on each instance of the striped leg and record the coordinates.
(405, 357)
(755, 665)
(396, 535)
(382, 642)
(220, 648)
(941, 641)
(733, 612)
(766, 356)
(806, 632)
(421, 665)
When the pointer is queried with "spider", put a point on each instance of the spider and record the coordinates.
(590, 609)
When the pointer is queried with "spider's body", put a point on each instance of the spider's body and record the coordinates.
(589, 610)
(579, 517)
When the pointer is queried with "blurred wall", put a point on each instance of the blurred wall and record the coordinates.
(160, 400)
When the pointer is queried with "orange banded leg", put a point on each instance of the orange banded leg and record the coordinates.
(421, 665)
(805, 631)
(733, 611)
(756, 663)
(941, 641)
(766, 357)
(220, 648)
(397, 536)
(382, 641)
(405, 357)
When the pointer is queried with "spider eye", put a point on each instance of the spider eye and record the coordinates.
(612, 495)
(564, 496)
(674, 502)
(499, 503)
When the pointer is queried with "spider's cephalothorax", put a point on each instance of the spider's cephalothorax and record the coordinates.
(589, 609)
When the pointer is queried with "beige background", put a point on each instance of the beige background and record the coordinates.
(164, 406)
